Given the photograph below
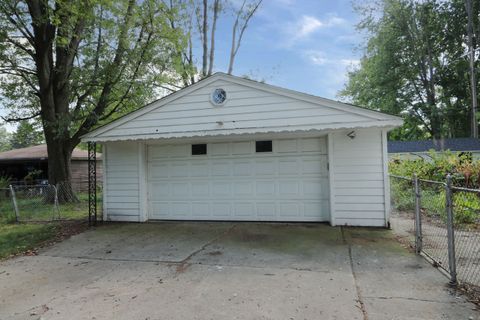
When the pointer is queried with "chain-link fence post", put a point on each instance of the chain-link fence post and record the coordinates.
(56, 204)
(418, 216)
(15, 205)
(450, 232)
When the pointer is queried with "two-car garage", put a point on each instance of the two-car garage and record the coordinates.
(232, 149)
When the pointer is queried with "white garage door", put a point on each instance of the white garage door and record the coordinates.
(233, 181)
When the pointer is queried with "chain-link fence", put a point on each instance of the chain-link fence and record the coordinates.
(442, 222)
(466, 214)
(7, 213)
(36, 203)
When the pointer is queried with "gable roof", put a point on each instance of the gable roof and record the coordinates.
(455, 144)
(38, 153)
(120, 129)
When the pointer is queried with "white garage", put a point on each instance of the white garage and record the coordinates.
(233, 149)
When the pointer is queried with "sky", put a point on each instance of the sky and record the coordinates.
(304, 45)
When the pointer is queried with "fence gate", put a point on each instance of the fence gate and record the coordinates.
(442, 222)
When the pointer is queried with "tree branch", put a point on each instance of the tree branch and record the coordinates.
(21, 118)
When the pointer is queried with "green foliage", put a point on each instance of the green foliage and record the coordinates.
(401, 194)
(465, 173)
(4, 182)
(415, 66)
(467, 207)
(4, 139)
(26, 135)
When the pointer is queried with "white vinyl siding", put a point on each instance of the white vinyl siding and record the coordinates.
(122, 181)
(358, 174)
(246, 109)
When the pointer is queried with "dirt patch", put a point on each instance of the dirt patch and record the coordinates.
(182, 267)
(472, 293)
(215, 253)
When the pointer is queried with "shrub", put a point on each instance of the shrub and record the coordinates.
(464, 171)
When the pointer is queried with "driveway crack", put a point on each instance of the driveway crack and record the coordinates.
(357, 286)
(411, 299)
(184, 264)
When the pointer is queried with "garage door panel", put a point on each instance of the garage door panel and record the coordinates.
(160, 210)
(221, 210)
(314, 165)
(199, 169)
(288, 145)
(244, 188)
(219, 149)
(181, 209)
(180, 189)
(314, 188)
(220, 168)
(200, 209)
(312, 209)
(265, 188)
(233, 182)
(178, 169)
(200, 188)
(159, 190)
(288, 167)
(242, 168)
(244, 210)
(288, 188)
(314, 145)
(264, 167)
(158, 170)
(239, 148)
(158, 152)
(289, 210)
(220, 188)
(266, 210)
(179, 150)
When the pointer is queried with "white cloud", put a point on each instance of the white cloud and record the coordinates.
(308, 25)
(319, 58)
(316, 57)
(332, 70)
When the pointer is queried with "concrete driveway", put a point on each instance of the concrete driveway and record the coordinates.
(227, 271)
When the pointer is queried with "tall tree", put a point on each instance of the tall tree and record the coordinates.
(4, 139)
(76, 64)
(415, 65)
(200, 18)
(26, 135)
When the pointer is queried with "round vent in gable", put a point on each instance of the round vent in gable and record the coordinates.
(218, 97)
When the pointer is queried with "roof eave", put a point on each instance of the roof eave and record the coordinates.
(385, 125)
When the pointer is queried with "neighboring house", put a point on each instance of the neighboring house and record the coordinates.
(17, 164)
(228, 148)
(421, 148)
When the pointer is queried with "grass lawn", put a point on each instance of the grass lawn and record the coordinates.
(18, 238)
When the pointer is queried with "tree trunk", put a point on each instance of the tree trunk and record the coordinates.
(216, 8)
(59, 169)
(205, 38)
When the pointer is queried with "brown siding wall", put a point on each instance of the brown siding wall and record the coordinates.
(80, 175)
